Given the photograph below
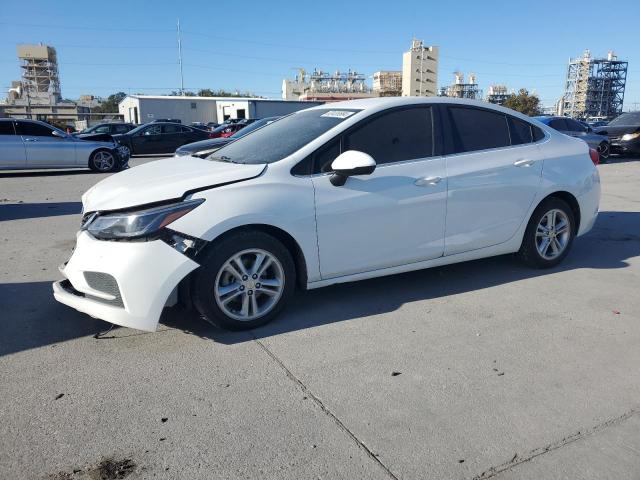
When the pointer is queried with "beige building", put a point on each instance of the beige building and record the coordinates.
(420, 70)
(387, 83)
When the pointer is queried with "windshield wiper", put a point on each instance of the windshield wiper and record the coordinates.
(223, 158)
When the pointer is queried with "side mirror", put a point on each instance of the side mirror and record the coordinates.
(58, 134)
(350, 163)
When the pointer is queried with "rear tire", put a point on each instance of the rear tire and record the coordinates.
(549, 234)
(103, 161)
(244, 281)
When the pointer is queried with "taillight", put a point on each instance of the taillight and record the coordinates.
(595, 156)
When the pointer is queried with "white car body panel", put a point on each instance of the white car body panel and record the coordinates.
(147, 273)
(374, 225)
(489, 194)
(163, 180)
(383, 219)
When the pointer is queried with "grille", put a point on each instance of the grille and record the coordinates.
(103, 282)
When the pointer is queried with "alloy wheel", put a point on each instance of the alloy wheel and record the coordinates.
(103, 161)
(249, 284)
(553, 234)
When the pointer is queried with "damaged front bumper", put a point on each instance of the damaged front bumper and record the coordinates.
(125, 283)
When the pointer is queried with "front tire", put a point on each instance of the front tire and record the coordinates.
(549, 234)
(103, 161)
(244, 281)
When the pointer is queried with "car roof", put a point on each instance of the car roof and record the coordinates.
(382, 103)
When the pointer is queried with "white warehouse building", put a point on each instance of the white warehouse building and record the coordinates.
(147, 108)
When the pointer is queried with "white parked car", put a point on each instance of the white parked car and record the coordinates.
(334, 193)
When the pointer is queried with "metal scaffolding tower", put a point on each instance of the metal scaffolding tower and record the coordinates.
(40, 79)
(594, 87)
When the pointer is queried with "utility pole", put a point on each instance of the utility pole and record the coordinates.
(180, 60)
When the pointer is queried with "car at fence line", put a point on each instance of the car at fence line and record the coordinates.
(104, 129)
(159, 138)
(573, 128)
(330, 194)
(31, 144)
(623, 133)
(204, 148)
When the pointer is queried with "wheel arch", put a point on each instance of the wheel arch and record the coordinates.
(290, 243)
(570, 200)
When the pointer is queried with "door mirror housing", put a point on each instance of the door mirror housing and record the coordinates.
(58, 134)
(350, 163)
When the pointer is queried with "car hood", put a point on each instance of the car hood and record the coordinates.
(204, 145)
(163, 180)
(616, 130)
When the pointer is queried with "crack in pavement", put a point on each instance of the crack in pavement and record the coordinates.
(324, 409)
(520, 459)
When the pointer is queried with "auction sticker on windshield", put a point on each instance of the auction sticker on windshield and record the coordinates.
(338, 114)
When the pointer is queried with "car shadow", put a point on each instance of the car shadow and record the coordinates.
(614, 240)
(22, 211)
(31, 318)
(43, 173)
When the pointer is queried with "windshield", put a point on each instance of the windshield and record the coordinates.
(632, 118)
(254, 126)
(280, 139)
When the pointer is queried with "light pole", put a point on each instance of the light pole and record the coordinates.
(180, 60)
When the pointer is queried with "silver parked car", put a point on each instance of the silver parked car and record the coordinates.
(573, 128)
(31, 144)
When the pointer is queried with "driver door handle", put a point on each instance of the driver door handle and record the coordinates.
(524, 163)
(30, 139)
(427, 181)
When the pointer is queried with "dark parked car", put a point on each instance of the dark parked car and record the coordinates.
(169, 120)
(108, 128)
(623, 133)
(573, 128)
(158, 137)
(205, 148)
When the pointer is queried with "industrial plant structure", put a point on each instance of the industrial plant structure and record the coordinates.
(420, 70)
(498, 94)
(595, 87)
(38, 94)
(326, 87)
(387, 83)
(461, 89)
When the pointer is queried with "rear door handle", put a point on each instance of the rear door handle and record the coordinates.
(524, 163)
(30, 139)
(427, 181)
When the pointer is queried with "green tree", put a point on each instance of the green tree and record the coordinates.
(110, 105)
(524, 102)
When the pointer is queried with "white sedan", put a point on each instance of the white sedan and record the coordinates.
(334, 193)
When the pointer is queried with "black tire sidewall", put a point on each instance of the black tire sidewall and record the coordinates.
(203, 280)
(529, 251)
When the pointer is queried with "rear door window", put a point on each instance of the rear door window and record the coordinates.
(478, 129)
(171, 128)
(6, 128)
(395, 136)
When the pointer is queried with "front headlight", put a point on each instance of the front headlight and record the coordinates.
(139, 223)
(630, 136)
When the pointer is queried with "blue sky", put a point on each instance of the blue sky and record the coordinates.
(104, 47)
